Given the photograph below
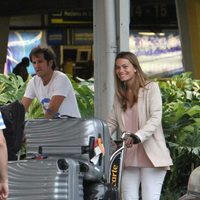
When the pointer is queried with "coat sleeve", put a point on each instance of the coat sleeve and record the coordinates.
(151, 112)
(112, 119)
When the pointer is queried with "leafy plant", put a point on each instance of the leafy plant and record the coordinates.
(85, 97)
(181, 122)
(35, 110)
(12, 88)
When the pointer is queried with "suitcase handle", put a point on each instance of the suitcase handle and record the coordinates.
(90, 148)
(58, 150)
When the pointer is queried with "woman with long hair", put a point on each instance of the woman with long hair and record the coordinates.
(137, 109)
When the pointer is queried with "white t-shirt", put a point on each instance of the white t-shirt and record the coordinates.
(58, 85)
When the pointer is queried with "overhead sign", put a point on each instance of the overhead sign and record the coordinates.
(143, 14)
(72, 17)
(12, 8)
(153, 14)
(82, 37)
(55, 37)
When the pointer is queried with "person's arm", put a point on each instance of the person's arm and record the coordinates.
(112, 120)
(154, 113)
(112, 124)
(26, 102)
(3, 168)
(54, 106)
(132, 139)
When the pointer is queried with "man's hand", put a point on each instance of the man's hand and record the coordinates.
(4, 190)
(54, 106)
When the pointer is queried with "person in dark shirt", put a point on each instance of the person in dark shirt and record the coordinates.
(21, 68)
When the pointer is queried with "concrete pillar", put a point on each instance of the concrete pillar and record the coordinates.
(105, 48)
(111, 35)
(4, 33)
(122, 23)
(189, 26)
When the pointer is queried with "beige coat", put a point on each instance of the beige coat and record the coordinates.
(150, 129)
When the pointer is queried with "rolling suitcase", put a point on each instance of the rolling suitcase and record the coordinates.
(46, 179)
(87, 140)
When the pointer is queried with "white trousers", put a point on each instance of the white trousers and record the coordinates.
(151, 180)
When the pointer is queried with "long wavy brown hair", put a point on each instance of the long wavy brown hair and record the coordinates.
(139, 81)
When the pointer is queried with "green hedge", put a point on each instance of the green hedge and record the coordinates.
(181, 121)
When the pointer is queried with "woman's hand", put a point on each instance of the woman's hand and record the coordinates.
(129, 142)
(132, 139)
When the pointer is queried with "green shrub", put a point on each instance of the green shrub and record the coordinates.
(181, 124)
(181, 121)
(11, 88)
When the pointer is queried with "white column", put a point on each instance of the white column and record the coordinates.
(123, 21)
(105, 48)
(111, 35)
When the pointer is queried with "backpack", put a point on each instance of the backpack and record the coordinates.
(14, 119)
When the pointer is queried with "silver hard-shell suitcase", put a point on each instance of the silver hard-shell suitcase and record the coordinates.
(87, 140)
(48, 179)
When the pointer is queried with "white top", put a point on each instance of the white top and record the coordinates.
(2, 125)
(58, 85)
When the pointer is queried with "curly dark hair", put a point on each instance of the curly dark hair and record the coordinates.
(47, 53)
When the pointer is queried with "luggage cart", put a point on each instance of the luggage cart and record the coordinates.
(115, 171)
